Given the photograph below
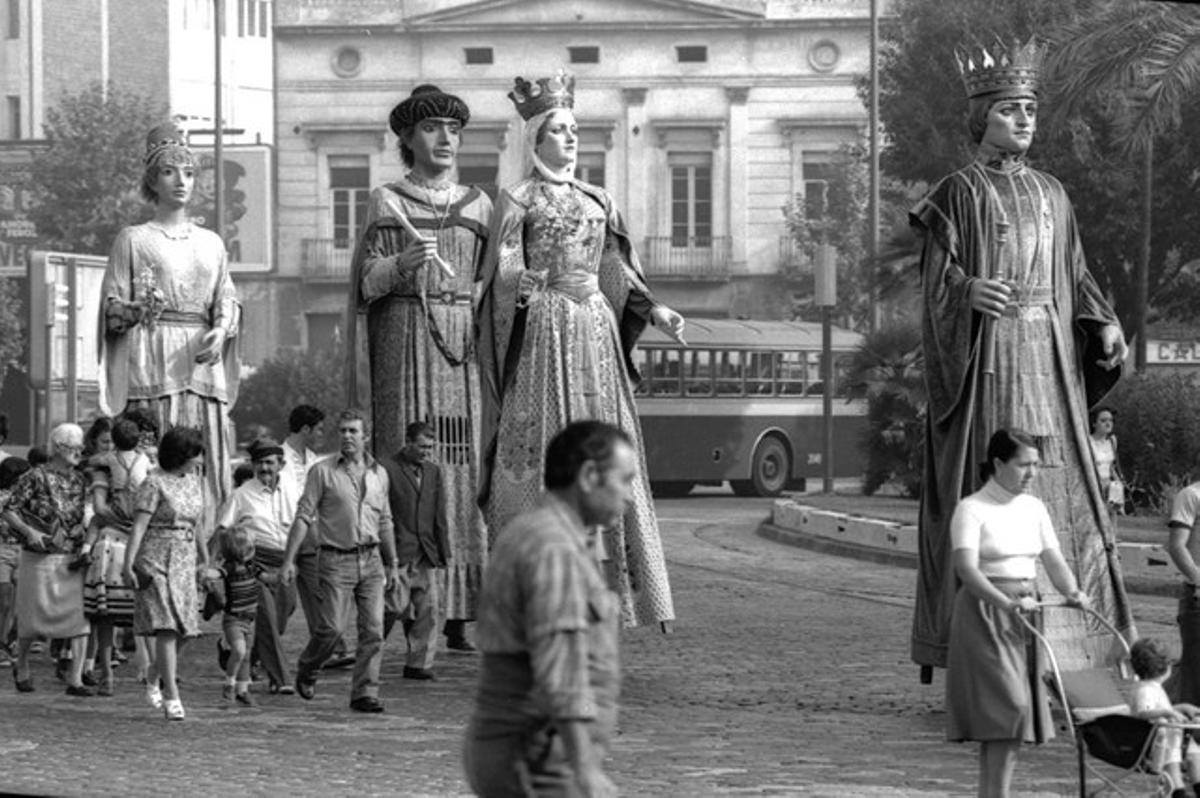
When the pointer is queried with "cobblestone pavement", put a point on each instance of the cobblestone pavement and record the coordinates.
(787, 674)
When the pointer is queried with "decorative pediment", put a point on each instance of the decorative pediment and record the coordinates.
(321, 134)
(535, 14)
(667, 129)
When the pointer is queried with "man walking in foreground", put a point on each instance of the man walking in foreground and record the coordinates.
(547, 700)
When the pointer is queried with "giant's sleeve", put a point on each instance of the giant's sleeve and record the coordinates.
(381, 243)
(113, 345)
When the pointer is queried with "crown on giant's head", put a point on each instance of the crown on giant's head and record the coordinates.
(532, 99)
(1005, 68)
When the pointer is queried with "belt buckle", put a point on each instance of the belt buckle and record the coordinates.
(447, 297)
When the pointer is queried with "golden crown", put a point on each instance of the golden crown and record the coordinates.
(532, 99)
(1005, 68)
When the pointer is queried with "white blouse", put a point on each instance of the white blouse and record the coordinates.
(1009, 531)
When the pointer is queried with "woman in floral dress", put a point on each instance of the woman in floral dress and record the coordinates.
(564, 301)
(170, 314)
(45, 511)
(163, 557)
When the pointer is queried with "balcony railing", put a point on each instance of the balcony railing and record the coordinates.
(693, 259)
(321, 261)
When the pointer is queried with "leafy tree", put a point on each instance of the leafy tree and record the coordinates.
(12, 328)
(923, 111)
(88, 176)
(316, 377)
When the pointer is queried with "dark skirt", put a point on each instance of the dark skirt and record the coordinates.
(994, 689)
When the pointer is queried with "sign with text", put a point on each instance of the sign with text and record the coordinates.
(18, 232)
(1173, 353)
(246, 184)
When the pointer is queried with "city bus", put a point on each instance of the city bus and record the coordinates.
(743, 403)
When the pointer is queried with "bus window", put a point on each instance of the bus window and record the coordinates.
(791, 372)
(666, 373)
(641, 361)
(760, 373)
(841, 371)
(729, 373)
(699, 378)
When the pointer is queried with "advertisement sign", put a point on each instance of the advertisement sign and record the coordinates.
(246, 184)
(17, 231)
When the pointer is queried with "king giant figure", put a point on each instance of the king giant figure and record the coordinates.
(1016, 334)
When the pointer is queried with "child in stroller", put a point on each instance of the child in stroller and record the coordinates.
(1149, 701)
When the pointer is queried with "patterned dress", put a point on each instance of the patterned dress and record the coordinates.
(563, 360)
(422, 365)
(167, 557)
(184, 279)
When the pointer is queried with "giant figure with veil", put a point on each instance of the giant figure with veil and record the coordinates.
(564, 302)
(1016, 334)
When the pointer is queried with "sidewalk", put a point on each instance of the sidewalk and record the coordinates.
(883, 529)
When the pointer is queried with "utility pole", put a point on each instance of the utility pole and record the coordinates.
(873, 207)
(218, 121)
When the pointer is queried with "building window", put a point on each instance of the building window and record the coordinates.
(264, 18)
(14, 19)
(590, 168)
(13, 109)
(478, 55)
(479, 169)
(691, 199)
(350, 186)
(691, 53)
(817, 175)
(198, 14)
(241, 18)
(584, 55)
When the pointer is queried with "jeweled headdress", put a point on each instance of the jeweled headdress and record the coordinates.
(166, 145)
(553, 92)
(1010, 69)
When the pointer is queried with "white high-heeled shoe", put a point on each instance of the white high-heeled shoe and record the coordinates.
(173, 709)
(154, 695)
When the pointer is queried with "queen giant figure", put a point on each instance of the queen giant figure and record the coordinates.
(564, 302)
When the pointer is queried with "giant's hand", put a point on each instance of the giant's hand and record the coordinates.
(210, 347)
(669, 322)
(1115, 348)
(990, 297)
(419, 252)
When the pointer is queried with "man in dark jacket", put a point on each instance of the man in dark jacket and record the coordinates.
(422, 545)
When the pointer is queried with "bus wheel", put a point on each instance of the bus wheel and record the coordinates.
(671, 490)
(770, 470)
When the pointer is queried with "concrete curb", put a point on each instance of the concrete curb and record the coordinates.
(1147, 567)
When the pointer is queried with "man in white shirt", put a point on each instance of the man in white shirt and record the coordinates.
(266, 505)
(1184, 548)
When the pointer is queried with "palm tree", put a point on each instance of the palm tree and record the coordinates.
(1141, 63)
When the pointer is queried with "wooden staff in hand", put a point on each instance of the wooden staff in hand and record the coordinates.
(396, 211)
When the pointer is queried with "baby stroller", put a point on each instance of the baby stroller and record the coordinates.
(1097, 716)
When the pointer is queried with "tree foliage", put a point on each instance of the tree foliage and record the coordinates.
(12, 328)
(316, 377)
(88, 177)
(924, 114)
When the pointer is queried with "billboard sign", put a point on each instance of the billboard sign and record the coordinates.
(246, 184)
(18, 232)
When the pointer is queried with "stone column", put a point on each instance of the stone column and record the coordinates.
(633, 197)
(739, 186)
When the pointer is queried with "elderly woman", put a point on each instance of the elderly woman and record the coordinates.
(564, 302)
(164, 554)
(999, 534)
(45, 511)
(170, 314)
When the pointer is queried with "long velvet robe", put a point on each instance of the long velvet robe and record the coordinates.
(959, 220)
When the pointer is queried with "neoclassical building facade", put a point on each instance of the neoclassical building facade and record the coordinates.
(702, 118)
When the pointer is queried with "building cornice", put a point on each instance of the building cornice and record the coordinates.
(573, 28)
(317, 134)
(639, 84)
(664, 126)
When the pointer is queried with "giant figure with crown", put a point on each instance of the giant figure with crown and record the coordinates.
(1016, 334)
(564, 302)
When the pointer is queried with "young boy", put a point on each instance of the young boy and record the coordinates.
(1150, 701)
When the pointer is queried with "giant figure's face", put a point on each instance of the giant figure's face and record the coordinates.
(1011, 124)
(174, 185)
(558, 139)
(434, 142)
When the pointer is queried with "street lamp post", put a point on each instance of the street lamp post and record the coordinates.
(218, 121)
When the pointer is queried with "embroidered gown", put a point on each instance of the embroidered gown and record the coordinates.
(562, 356)
(1033, 368)
(184, 275)
(420, 345)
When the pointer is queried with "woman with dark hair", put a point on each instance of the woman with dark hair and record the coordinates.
(98, 439)
(1104, 450)
(564, 303)
(169, 315)
(999, 534)
(46, 511)
(164, 554)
